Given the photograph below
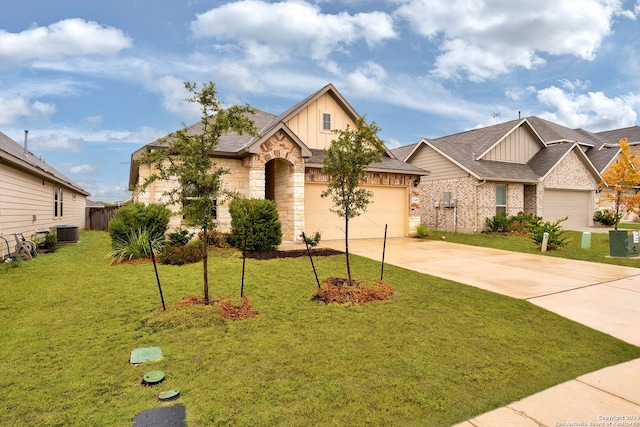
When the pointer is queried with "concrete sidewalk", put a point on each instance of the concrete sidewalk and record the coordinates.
(601, 296)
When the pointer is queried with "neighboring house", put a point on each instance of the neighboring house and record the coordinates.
(283, 164)
(33, 195)
(612, 138)
(526, 165)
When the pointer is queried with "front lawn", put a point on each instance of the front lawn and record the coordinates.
(597, 252)
(437, 353)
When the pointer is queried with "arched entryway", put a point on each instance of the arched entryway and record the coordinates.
(278, 174)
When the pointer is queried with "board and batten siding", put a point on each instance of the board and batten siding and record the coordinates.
(517, 147)
(307, 124)
(26, 204)
(439, 166)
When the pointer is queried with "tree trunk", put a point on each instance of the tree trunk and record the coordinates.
(205, 264)
(346, 247)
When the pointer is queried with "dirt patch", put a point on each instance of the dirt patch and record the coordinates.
(272, 254)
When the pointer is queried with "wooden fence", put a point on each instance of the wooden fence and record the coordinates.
(98, 218)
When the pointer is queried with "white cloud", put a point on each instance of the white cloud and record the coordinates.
(267, 31)
(575, 85)
(16, 108)
(84, 170)
(519, 94)
(173, 94)
(368, 78)
(593, 111)
(485, 38)
(66, 38)
(55, 142)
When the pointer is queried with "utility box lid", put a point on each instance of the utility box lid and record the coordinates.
(146, 354)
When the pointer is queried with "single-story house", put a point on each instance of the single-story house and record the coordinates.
(612, 138)
(283, 164)
(34, 196)
(528, 165)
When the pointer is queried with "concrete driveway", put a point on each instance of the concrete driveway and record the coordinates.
(601, 296)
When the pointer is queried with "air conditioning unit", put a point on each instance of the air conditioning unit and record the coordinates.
(68, 233)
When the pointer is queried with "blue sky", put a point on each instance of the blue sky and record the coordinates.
(95, 80)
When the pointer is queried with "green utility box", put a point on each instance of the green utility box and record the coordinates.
(624, 243)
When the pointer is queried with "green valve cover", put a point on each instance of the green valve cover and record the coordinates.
(153, 377)
(168, 395)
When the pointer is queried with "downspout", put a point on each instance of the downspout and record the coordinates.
(475, 204)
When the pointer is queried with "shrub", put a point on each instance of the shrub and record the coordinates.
(519, 224)
(538, 228)
(422, 231)
(606, 217)
(313, 240)
(498, 224)
(179, 237)
(48, 242)
(135, 244)
(152, 218)
(258, 220)
(180, 255)
(15, 262)
(216, 238)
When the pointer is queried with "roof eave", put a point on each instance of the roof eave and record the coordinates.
(26, 166)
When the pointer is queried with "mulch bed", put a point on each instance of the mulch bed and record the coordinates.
(228, 310)
(339, 291)
(296, 253)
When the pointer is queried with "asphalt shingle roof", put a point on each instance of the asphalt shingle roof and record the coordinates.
(16, 154)
(466, 147)
(388, 164)
(230, 143)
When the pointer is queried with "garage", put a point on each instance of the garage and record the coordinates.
(577, 205)
(389, 206)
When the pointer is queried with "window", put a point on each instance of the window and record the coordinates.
(501, 199)
(326, 121)
(57, 201)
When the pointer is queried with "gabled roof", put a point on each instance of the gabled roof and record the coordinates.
(466, 150)
(498, 133)
(632, 133)
(608, 151)
(403, 152)
(235, 145)
(13, 153)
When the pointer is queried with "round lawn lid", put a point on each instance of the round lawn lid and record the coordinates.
(153, 377)
(169, 395)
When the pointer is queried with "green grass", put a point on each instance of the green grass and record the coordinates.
(598, 250)
(436, 354)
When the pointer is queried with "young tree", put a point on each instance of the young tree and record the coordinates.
(187, 160)
(346, 161)
(622, 179)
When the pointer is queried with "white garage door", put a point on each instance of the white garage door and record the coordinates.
(577, 205)
(389, 206)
